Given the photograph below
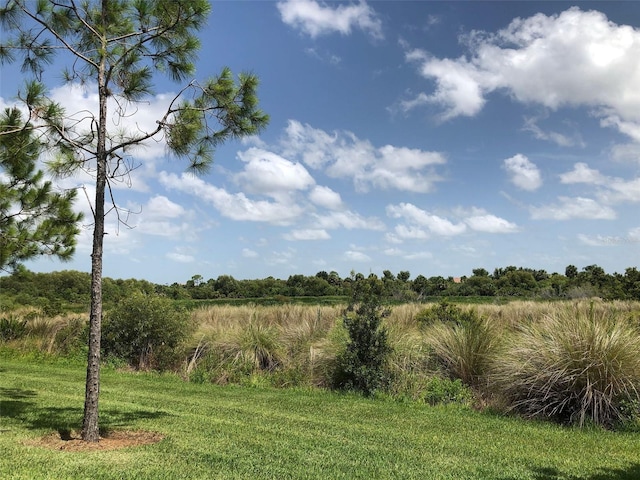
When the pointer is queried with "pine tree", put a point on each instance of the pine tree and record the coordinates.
(115, 48)
(34, 218)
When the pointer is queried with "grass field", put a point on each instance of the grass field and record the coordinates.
(241, 432)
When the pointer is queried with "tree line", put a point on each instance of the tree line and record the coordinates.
(53, 291)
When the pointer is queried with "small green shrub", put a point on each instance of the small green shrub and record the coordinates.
(443, 390)
(12, 327)
(444, 312)
(361, 367)
(577, 367)
(146, 331)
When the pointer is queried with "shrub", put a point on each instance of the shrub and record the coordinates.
(12, 327)
(443, 390)
(145, 331)
(444, 312)
(465, 350)
(361, 366)
(73, 336)
(576, 367)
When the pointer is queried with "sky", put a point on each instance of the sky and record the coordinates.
(429, 137)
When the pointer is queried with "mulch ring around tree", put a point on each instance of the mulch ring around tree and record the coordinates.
(113, 440)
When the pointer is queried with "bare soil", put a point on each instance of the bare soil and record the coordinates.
(72, 442)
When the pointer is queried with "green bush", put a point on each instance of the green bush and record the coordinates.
(361, 366)
(443, 390)
(444, 312)
(578, 367)
(146, 331)
(12, 327)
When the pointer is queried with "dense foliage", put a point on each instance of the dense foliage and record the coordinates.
(35, 219)
(361, 366)
(146, 331)
(73, 288)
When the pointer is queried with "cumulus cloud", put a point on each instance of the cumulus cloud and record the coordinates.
(269, 174)
(573, 207)
(420, 224)
(581, 173)
(575, 58)
(523, 172)
(316, 19)
(612, 189)
(160, 206)
(343, 155)
(325, 197)
(236, 206)
(420, 218)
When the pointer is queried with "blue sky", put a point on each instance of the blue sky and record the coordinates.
(433, 137)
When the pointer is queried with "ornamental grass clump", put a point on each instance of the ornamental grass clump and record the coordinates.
(578, 366)
(465, 349)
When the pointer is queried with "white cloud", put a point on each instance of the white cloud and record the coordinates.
(355, 256)
(126, 120)
(581, 173)
(343, 155)
(490, 224)
(317, 19)
(523, 172)
(395, 252)
(570, 208)
(269, 174)
(409, 232)
(575, 58)
(160, 206)
(235, 206)
(248, 253)
(435, 224)
(307, 234)
(613, 189)
(628, 152)
(325, 197)
(561, 139)
(180, 257)
(347, 219)
(419, 224)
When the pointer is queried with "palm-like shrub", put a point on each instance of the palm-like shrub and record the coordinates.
(576, 366)
(465, 350)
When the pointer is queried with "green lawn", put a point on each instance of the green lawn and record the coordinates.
(246, 433)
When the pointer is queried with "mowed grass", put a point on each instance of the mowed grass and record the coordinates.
(236, 432)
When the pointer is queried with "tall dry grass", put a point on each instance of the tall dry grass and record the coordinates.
(581, 364)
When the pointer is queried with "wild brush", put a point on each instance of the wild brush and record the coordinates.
(578, 366)
(466, 350)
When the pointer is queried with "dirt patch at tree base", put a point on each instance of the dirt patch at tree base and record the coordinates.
(72, 441)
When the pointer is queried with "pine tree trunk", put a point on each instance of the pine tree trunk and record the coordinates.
(90, 426)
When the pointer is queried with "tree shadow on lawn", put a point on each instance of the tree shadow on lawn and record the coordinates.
(17, 404)
(550, 473)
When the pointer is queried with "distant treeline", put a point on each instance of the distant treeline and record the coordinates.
(68, 287)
